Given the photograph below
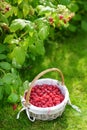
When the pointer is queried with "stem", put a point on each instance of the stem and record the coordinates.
(23, 34)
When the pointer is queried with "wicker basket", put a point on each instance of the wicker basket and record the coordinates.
(48, 113)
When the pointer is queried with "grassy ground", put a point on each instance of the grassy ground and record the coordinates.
(71, 57)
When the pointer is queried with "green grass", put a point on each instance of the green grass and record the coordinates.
(70, 57)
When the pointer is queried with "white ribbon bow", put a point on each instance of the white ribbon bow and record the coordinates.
(26, 109)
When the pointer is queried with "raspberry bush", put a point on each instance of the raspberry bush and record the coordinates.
(24, 27)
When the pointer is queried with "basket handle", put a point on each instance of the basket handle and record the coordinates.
(38, 76)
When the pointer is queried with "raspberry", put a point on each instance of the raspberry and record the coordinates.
(61, 17)
(51, 20)
(45, 96)
(14, 106)
(7, 8)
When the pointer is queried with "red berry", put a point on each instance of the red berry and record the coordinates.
(51, 20)
(45, 95)
(14, 106)
(61, 17)
(7, 8)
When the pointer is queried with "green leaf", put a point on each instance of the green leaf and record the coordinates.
(2, 48)
(1, 30)
(43, 32)
(9, 38)
(3, 18)
(44, 10)
(26, 84)
(18, 55)
(72, 28)
(64, 2)
(24, 87)
(15, 64)
(12, 81)
(8, 78)
(1, 92)
(17, 24)
(9, 13)
(40, 47)
(29, 26)
(5, 65)
(15, 11)
(2, 56)
(13, 98)
(1, 82)
(20, 14)
(74, 7)
(84, 25)
(77, 17)
(7, 89)
(39, 7)
(25, 9)
(17, 80)
(85, 6)
(20, 1)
